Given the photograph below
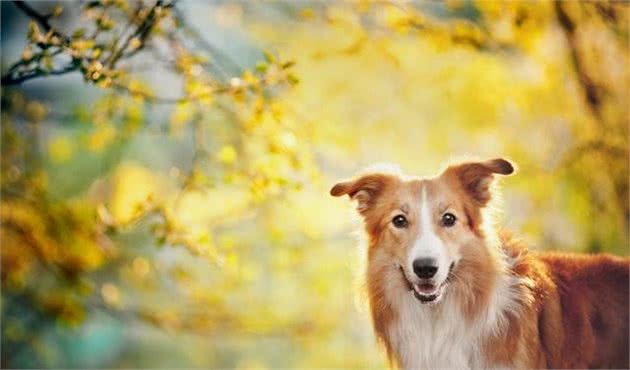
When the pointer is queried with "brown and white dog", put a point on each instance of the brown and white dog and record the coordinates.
(448, 291)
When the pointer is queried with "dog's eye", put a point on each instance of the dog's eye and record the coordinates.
(448, 219)
(400, 221)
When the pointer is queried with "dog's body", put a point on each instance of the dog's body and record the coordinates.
(447, 291)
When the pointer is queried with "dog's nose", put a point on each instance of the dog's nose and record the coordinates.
(425, 268)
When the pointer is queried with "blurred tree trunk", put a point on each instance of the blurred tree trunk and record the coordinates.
(597, 36)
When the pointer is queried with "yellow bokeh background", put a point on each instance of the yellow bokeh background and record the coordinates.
(175, 212)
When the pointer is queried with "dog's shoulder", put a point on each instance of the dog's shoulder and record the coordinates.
(581, 301)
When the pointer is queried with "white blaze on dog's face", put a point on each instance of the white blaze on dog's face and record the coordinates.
(431, 254)
(424, 227)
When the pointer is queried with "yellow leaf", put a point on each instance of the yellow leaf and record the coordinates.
(133, 188)
(100, 138)
(227, 154)
(181, 115)
(396, 18)
(140, 266)
(60, 149)
(135, 43)
(82, 45)
(111, 294)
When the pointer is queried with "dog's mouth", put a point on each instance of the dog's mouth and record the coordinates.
(427, 292)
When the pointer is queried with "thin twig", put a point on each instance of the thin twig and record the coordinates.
(32, 13)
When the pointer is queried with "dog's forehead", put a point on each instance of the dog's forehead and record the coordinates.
(403, 196)
(410, 188)
(418, 190)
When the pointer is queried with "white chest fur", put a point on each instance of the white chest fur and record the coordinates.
(438, 337)
(426, 337)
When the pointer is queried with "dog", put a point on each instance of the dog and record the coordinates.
(447, 290)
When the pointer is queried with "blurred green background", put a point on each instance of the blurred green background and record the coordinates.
(166, 164)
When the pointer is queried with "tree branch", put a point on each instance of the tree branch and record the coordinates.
(17, 74)
(141, 33)
(9, 79)
(592, 92)
(41, 19)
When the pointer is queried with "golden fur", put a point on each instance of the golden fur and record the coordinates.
(524, 310)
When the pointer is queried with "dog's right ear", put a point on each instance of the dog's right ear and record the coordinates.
(364, 189)
(476, 177)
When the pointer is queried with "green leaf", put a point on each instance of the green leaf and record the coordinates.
(288, 64)
(269, 57)
(293, 80)
(262, 67)
(78, 33)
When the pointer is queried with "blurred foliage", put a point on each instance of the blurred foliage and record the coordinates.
(184, 135)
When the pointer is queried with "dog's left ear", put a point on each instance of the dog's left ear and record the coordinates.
(476, 177)
(364, 189)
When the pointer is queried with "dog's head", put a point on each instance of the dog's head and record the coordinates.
(426, 228)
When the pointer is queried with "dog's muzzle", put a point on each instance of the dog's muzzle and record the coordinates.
(426, 292)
